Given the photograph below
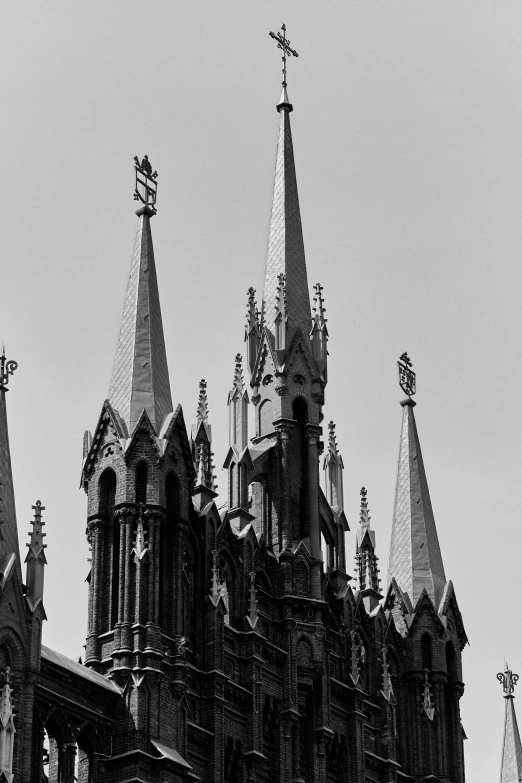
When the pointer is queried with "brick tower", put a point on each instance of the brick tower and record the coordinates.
(138, 471)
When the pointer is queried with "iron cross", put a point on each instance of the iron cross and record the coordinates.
(284, 44)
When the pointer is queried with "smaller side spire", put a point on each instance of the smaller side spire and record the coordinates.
(319, 333)
(511, 762)
(333, 467)
(238, 409)
(415, 559)
(252, 330)
(202, 454)
(7, 727)
(366, 559)
(36, 560)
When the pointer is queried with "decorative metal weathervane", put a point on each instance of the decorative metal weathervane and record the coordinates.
(407, 377)
(7, 368)
(284, 44)
(146, 187)
(508, 680)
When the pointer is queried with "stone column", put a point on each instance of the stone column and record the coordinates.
(92, 652)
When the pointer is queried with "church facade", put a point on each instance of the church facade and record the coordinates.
(227, 641)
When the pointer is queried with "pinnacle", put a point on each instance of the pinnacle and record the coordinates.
(140, 379)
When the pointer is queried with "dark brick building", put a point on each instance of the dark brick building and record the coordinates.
(227, 642)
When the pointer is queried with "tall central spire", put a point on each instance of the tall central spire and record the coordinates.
(140, 378)
(286, 255)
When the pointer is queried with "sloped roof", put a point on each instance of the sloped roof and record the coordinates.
(415, 559)
(73, 667)
(140, 378)
(511, 766)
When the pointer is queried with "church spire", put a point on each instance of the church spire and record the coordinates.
(286, 254)
(9, 548)
(415, 559)
(140, 379)
(511, 764)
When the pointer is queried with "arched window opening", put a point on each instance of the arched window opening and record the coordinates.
(107, 491)
(166, 555)
(57, 751)
(189, 608)
(451, 662)
(327, 549)
(85, 750)
(232, 484)
(265, 418)
(5, 658)
(426, 652)
(141, 482)
(111, 548)
(299, 457)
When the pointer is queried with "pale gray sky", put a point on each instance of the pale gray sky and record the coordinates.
(407, 129)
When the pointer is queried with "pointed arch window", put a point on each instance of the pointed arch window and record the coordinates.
(107, 499)
(426, 652)
(141, 482)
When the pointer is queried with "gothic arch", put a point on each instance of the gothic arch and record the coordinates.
(426, 647)
(141, 479)
(107, 485)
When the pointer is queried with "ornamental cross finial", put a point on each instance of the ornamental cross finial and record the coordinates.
(407, 378)
(283, 43)
(146, 186)
(508, 680)
(7, 368)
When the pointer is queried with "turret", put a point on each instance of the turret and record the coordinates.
(238, 409)
(333, 469)
(366, 559)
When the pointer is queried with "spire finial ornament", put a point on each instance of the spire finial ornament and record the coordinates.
(239, 383)
(202, 414)
(283, 43)
(508, 680)
(146, 186)
(7, 368)
(407, 378)
(365, 516)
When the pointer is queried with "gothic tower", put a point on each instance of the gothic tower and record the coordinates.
(138, 469)
(427, 621)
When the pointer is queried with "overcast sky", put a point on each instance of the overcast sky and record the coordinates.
(407, 133)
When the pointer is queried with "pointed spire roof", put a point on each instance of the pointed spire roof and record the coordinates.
(511, 763)
(8, 527)
(286, 253)
(415, 559)
(140, 378)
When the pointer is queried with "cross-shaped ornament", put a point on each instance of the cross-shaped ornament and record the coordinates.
(284, 44)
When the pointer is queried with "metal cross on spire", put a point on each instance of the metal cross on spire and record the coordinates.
(407, 378)
(146, 187)
(284, 44)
